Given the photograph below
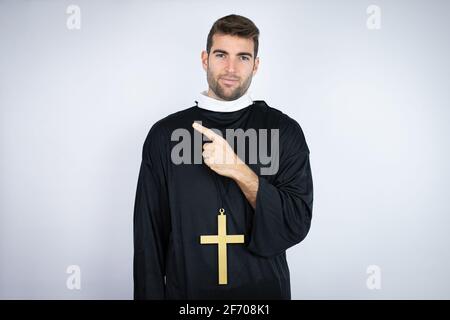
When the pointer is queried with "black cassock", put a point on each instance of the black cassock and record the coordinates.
(177, 203)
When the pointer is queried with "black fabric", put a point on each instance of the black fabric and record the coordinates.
(175, 204)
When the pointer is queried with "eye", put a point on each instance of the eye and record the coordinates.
(245, 58)
(220, 55)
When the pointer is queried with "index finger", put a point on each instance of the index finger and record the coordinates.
(211, 135)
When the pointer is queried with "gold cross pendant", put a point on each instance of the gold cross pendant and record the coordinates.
(222, 239)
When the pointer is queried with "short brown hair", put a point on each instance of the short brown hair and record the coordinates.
(234, 25)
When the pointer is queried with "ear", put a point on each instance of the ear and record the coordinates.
(256, 66)
(204, 58)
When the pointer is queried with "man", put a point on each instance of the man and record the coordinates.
(219, 228)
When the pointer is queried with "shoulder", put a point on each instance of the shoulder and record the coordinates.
(158, 136)
(291, 133)
(282, 120)
(162, 128)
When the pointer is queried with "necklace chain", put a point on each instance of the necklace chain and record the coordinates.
(219, 195)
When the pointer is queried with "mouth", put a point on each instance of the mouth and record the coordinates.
(229, 81)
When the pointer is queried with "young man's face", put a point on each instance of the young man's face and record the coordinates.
(230, 66)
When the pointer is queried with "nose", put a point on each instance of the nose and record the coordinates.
(231, 65)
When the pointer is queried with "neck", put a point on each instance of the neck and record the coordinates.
(208, 100)
(211, 94)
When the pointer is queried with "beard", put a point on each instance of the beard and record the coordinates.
(226, 93)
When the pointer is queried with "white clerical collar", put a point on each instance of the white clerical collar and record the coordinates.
(206, 102)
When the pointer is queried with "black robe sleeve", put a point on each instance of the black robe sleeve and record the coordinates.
(283, 213)
(151, 220)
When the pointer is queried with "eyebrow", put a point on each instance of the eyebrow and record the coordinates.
(238, 54)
